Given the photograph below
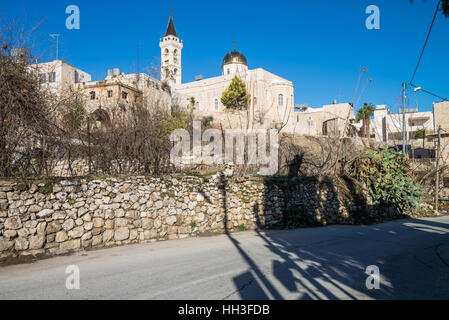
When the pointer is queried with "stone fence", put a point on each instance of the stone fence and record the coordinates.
(70, 215)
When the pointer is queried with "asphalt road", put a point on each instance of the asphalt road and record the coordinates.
(321, 263)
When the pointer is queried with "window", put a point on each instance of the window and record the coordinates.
(281, 100)
(255, 101)
(110, 93)
(175, 56)
(216, 104)
(92, 95)
(42, 78)
(52, 77)
(229, 71)
(125, 95)
(77, 77)
(197, 106)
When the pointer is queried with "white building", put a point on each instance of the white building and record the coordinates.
(271, 104)
(60, 76)
(388, 127)
(272, 97)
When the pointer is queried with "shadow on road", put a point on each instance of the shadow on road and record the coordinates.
(332, 265)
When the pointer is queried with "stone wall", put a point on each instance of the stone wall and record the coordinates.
(70, 215)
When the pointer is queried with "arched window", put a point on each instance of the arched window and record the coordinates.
(255, 101)
(175, 56)
(281, 100)
(216, 104)
(175, 72)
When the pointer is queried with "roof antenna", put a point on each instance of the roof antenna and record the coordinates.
(55, 35)
(234, 44)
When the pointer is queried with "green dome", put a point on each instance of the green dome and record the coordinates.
(234, 57)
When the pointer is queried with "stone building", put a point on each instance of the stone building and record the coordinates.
(441, 115)
(441, 118)
(271, 104)
(272, 97)
(59, 76)
(108, 100)
(171, 47)
(154, 94)
(111, 98)
(330, 120)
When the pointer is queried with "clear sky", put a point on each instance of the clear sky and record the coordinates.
(318, 45)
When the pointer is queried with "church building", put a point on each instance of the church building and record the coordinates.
(272, 97)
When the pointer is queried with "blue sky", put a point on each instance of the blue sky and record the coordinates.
(319, 45)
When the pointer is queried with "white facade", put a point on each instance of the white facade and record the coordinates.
(329, 120)
(171, 49)
(272, 97)
(388, 127)
(59, 76)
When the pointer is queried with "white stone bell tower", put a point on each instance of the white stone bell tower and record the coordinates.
(171, 48)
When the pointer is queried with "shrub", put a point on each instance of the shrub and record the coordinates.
(296, 217)
(387, 176)
(242, 228)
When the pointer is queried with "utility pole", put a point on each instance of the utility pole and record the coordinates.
(57, 43)
(437, 180)
(404, 128)
(89, 150)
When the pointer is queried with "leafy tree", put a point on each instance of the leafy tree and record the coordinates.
(421, 134)
(365, 115)
(75, 116)
(235, 97)
(192, 103)
(388, 178)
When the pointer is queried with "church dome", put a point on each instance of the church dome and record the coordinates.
(235, 57)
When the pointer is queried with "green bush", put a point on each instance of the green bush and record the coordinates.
(387, 176)
(296, 217)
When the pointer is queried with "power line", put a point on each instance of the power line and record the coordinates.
(428, 92)
(427, 39)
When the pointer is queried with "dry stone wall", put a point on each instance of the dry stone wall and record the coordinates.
(72, 215)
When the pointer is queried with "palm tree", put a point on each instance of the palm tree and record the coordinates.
(365, 114)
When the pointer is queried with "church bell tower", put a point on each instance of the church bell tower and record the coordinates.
(171, 48)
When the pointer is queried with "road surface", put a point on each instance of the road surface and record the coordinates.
(319, 263)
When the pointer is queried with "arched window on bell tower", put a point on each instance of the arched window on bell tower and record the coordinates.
(175, 56)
